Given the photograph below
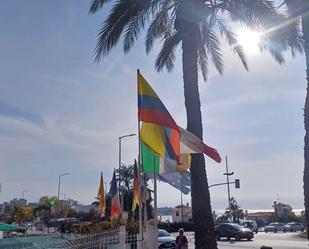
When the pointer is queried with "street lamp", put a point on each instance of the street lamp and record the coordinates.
(121, 137)
(64, 174)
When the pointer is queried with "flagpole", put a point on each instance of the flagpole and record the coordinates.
(145, 206)
(155, 192)
(140, 222)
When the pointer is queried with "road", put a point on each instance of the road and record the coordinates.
(274, 240)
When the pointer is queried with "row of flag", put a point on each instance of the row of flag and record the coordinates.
(165, 149)
(113, 193)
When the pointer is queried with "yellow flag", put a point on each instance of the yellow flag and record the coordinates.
(101, 197)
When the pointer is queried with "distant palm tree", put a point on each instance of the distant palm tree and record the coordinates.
(46, 204)
(195, 24)
(125, 175)
(235, 210)
(299, 11)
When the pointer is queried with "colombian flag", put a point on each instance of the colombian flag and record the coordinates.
(159, 130)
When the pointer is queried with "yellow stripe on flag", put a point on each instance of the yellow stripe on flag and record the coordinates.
(144, 88)
(153, 136)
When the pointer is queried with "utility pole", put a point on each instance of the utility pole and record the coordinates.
(228, 174)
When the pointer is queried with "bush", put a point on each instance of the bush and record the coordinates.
(98, 227)
(173, 227)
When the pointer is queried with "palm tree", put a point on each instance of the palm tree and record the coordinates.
(235, 211)
(125, 174)
(299, 11)
(197, 25)
(46, 204)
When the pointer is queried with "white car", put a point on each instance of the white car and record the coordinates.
(294, 227)
(250, 224)
(275, 227)
(166, 240)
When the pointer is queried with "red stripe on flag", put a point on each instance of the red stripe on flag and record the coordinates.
(212, 153)
(157, 117)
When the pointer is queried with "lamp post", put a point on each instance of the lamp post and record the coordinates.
(59, 176)
(120, 139)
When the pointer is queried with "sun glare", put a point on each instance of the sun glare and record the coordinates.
(249, 40)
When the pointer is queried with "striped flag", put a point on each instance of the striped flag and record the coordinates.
(161, 134)
(113, 193)
(159, 131)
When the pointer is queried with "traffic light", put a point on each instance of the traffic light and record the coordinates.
(237, 183)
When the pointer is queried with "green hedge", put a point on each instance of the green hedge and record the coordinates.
(132, 227)
(97, 227)
(173, 227)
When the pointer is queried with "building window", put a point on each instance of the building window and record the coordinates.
(177, 213)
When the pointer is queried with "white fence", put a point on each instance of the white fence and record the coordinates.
(105, 240)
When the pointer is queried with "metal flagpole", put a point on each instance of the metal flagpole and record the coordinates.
(145, 206)
(155, 192)
(140, 222)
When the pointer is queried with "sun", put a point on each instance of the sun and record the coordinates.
(249, 40)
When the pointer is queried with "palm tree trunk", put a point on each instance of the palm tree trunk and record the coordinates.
(305, 24)
(201, 208)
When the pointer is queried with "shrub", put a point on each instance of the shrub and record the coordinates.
(173, 227)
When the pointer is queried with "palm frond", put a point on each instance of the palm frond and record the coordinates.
(121, 14)
(135, 25)
(162, 22)
(249, 12)
(212, 44)
(96, 5)
(203, 62)
(296, 8)
(275, 49)
(166, 57)
(226, 31)
(214, 48)
(155, 29)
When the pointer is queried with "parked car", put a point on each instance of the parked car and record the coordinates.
(251, 224)
(166, 240)
(232, 230)
(294, 227)
(275, 227)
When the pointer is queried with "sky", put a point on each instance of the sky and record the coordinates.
(61, 112)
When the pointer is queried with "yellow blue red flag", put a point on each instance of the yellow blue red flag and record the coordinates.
(159, 131)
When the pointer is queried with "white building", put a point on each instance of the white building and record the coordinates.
(182, 214)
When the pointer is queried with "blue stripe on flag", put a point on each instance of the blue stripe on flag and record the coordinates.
(152, 103)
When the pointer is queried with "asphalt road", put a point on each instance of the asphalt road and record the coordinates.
(274, 240)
